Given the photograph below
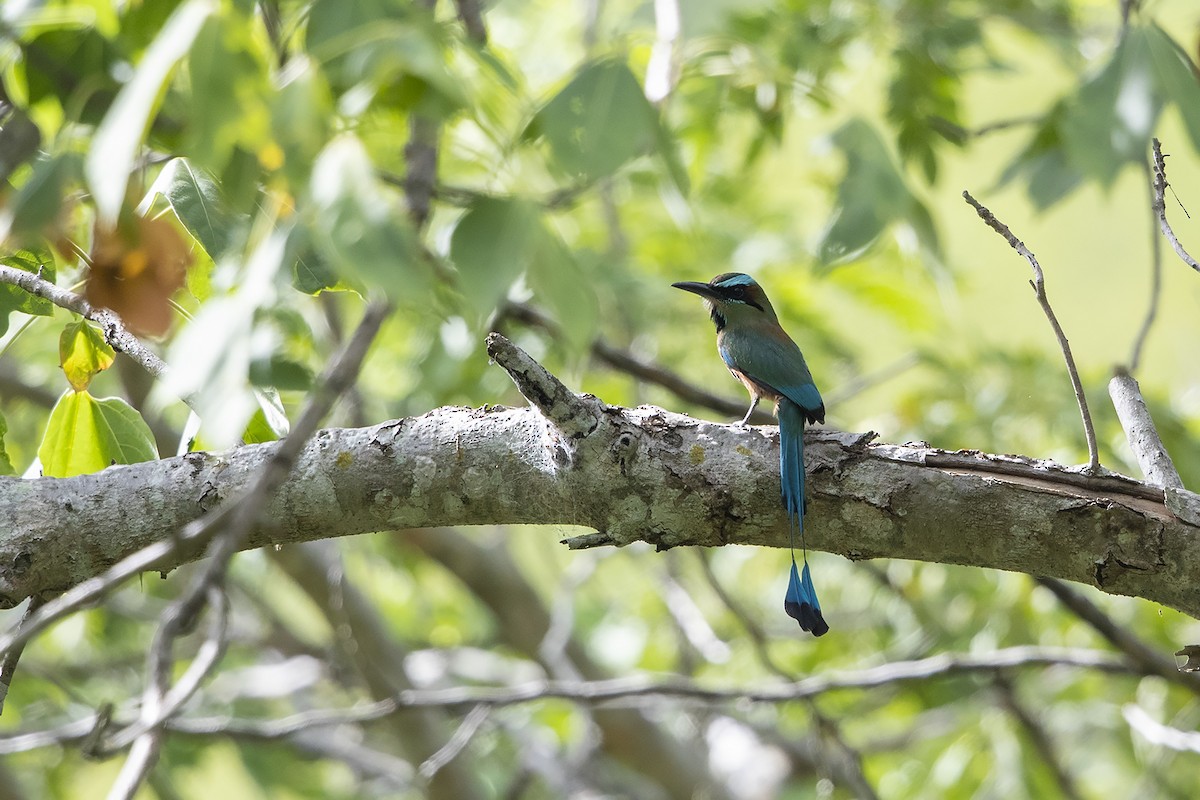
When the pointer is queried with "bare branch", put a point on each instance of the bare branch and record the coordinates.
(626, 362)
(574, 415)
(470, 14)
(1141, 432)
(1155, 732)
(1039, 289)
(115, 332)
(1043, 743)
(456, 744)
(605, 693)
(1146, 657)
(643, 475)
(1160, 205)
(159, 704)
(8, 664)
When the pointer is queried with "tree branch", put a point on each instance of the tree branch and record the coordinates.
(115, 332)
(1141, 432)
(1160, 205)
(629, 690)
(1039, 289)
(640, 474)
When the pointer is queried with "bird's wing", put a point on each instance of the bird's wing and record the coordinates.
(775, 361)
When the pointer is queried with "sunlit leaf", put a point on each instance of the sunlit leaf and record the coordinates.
(280, 372)
(228, 80)
(1177, 78)
(388, 45)
(85, 434)
(83, 353)
(301, 116)
(199, 205)
(1044, 164)
(1109, 120)
(75, 61)
(558, 281)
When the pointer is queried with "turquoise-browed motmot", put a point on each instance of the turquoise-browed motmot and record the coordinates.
(764, 358)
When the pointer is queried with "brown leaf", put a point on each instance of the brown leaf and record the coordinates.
(136, 267)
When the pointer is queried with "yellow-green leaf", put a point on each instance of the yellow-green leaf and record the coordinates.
(83, 354)
(85, 435)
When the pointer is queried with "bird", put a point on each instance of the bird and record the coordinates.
(761, 355)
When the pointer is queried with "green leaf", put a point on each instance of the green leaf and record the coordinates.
(311, 272)
(598, 122)
(358, 227)
(83, 353)
(198, 204)
(39, 262)
(1108, 122)
(1176, 75)
(115, 145)
(279, 372)
(384, 45)
(229, 86)
(269, 423)
(6, 467)
(37, 204)
(492, 244)
(301, 114)
(76, 62)
(86, 435)
(871, 197)
(210, 356)
(558, 281)
(1044, 163)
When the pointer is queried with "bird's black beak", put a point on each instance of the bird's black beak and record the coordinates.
(702, 289)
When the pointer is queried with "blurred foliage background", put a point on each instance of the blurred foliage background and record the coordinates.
(237, 176)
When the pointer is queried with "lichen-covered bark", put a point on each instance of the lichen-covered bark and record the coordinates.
(635, 474)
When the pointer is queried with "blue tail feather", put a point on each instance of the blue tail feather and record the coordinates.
(800, 602)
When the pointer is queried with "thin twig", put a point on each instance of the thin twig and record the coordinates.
(1039, 289)
(180, 615)
(1145, 656)
(160, 704)
(608, 692)
(455, 745)
(1043, 744)
(8, 664)
(1156, 733)
(470, 14)
(115, 332)
(1160, 204)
